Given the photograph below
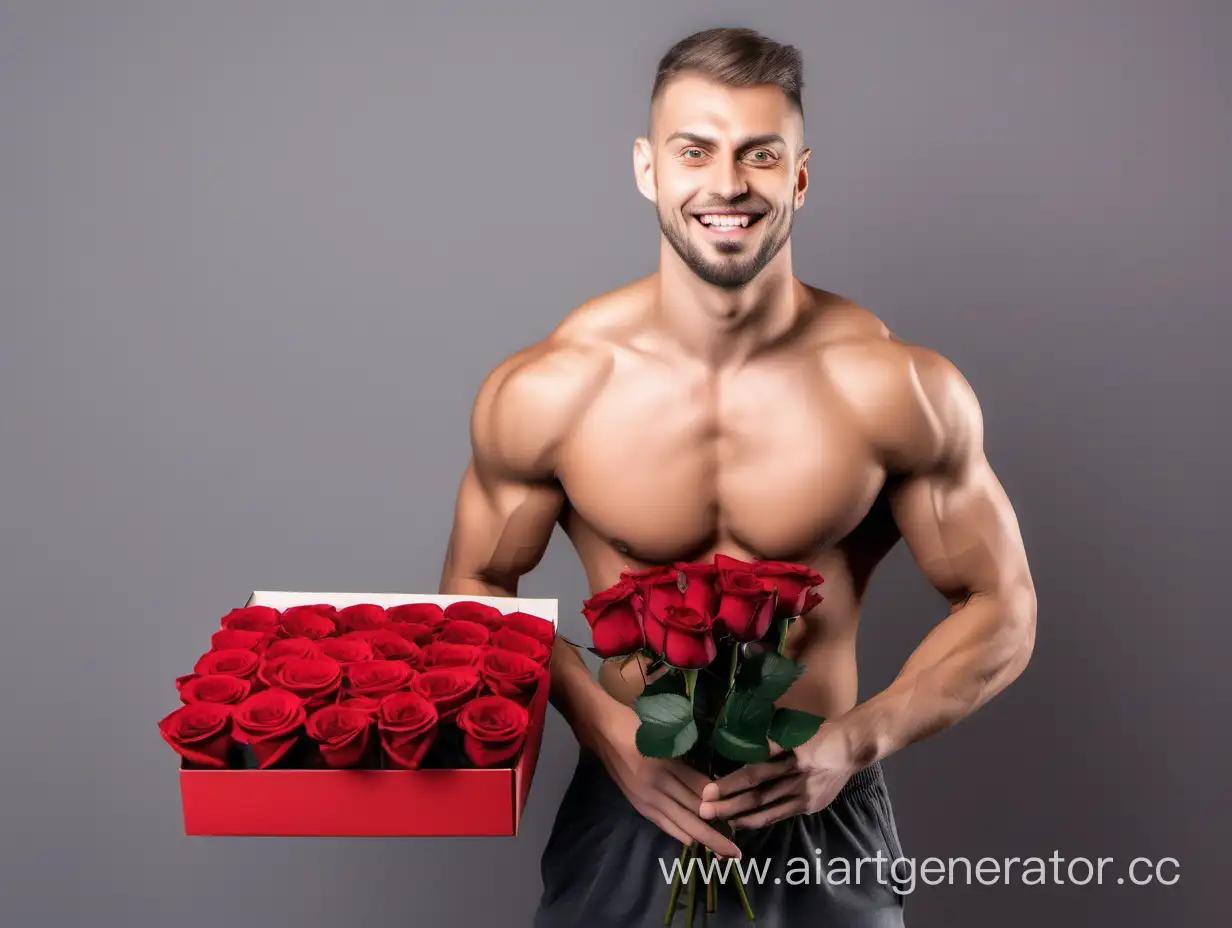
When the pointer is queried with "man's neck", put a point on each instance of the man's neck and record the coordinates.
(720, 327)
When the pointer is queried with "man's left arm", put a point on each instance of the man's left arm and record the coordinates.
(959, 525)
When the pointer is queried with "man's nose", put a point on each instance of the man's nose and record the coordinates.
(728, 182)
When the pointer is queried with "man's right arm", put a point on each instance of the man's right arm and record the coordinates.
(507, 507)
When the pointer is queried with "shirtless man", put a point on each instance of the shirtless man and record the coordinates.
(722, 405)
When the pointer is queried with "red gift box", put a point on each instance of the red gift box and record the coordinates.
(376, 803)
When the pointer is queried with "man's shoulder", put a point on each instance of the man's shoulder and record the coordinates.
(529, 401)
(914, 403)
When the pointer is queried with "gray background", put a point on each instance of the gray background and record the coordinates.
(256, 258)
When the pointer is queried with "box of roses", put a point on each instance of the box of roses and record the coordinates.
(364, 714)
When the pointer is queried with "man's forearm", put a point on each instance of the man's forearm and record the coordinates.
(971, 656)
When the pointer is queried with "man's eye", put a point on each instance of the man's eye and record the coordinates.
(760, 155)
(688, 152)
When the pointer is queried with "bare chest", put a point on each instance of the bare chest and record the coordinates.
(667, 466)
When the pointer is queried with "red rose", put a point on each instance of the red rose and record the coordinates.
(253, 619)
(217, 687)
(368, 703)
(494, 730)
(681, 636)
(429, 614)
(532, 626)
(341, 732)
(414, 632)
(239, 639)
(292, 647)
(509, 674)
(793, 582)
(360, 617)
(306, 622)
(313, 679)
(408, 725)
(347, 649)
(200, 732)
(460, 631)
(445, 654)
(657, 587)
(468, 611)
(702, 592)
(269, 722)
(746, 606)
(377, 678)
(448, 688)
(509, 640)
(614, 617)
(387, 645)
(237, 662)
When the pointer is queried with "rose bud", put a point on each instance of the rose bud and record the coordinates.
(429, 614)
(509, 640)
(414, 632)
(348, 649)
(701, 590)
(234, 661)
(269, 722)
(793, 582)
(460, 631)
(681, 636)
(200, 732)
(239, 639)
(360, 617)
(746, 606)
(217, 687)
(291, 647)
(614, 617)
(306, 622)
(313, 679)
(447, 688)
(532, 626)
(445, 654)
(253, 619)
(408, 726)
(376, 678)
(341, 733)
(494, 730)
(468, 611)
(657, 587)
(509, 674)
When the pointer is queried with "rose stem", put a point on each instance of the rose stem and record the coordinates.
(688, 919)
(783, 624)
(690, 684)
(711, 886)
(671, 902)
(744, 899)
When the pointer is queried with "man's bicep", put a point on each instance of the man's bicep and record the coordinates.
(952, 510)
(501, 529)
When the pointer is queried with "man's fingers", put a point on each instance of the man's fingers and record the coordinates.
(750, 800)
(667, 825)
(749, 776)
(769, 814)
(699, 831)
(691, 777)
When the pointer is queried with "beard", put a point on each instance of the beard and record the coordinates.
(734, 269)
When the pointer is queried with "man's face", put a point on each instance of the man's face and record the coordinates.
(726, 169)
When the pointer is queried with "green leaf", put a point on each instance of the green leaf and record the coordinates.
(746, 716)
(768, 675)
(743, 750)
(670, 682)
(790, 728)
(659, 741)
(669, 710)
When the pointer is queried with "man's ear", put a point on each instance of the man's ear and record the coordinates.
(802, 176)
(643, 168)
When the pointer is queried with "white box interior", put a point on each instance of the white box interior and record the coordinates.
(283, 599)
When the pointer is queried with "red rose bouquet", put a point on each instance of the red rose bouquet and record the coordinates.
(364, 686)
(712, 635)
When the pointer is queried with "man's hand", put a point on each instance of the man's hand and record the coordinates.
(790, 783)
(666, 791)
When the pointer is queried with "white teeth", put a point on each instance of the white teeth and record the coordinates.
(724, 220)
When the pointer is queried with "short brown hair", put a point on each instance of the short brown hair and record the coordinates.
(737, 58)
